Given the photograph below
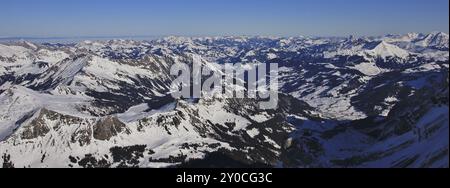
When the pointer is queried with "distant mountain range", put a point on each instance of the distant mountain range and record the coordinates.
(343, 102)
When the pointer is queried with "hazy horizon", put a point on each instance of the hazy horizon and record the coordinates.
(194, 35)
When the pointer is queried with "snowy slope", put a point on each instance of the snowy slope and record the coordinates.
(384, 49)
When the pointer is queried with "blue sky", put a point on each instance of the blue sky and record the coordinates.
(57, 18)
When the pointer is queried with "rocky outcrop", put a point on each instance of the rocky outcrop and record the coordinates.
(107, 128)
(82, 135)
(7, 161)
(39, 127)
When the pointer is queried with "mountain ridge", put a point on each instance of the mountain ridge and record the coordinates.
(342, 101)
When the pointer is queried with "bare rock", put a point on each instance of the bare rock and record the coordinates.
(109, 127)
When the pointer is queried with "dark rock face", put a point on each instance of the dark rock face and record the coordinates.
(180, 158)
(122, 157)
(82, 135)
(219, 160)
(6, 161)
(37, 127)
(90, 161)
(128, 156)
(107, 128)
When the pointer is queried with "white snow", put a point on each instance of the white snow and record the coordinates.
(369, 69)
(138, 112)
(253, 132)
(385, 50)
(271, 56)
(19, 101)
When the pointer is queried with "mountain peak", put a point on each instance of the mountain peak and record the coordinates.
(435, 39)
(438, 33)
(385, 49)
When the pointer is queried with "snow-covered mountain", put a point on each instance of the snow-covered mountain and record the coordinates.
(343, 102)
(384, 50)
(438, 40)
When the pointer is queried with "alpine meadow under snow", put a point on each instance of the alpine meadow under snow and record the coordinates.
(343, 102)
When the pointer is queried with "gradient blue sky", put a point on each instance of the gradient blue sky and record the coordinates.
(59, 18)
